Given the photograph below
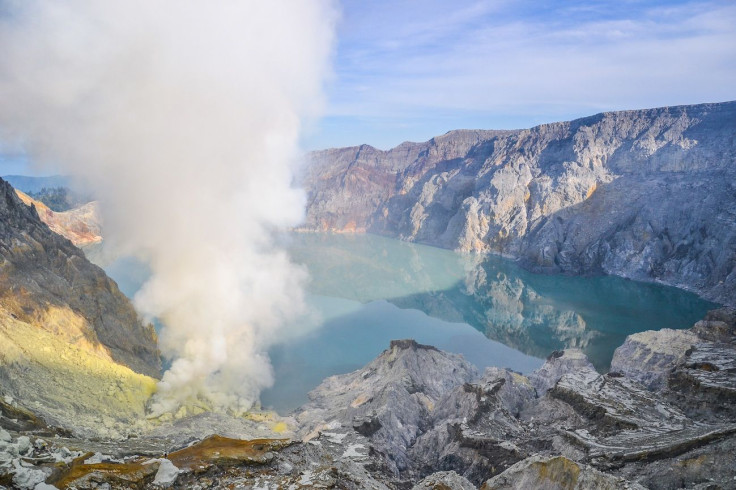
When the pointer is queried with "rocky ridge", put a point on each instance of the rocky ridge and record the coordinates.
(648, 194)
(72, 348)
(420, 418)
(80, 225)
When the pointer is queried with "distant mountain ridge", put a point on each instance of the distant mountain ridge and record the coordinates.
(645, 194)
(81, 225)
(28, 183)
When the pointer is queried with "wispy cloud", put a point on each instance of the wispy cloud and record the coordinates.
(406, 68)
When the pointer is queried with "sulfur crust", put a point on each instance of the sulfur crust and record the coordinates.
(74, 384)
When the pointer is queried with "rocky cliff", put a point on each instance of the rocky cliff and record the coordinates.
(70, 341)
(647, 194)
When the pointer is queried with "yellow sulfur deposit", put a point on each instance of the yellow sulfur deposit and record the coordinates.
(69, 376)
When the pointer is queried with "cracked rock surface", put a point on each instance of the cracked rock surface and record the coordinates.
(416, 417)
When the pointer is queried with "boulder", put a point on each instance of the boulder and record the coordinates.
(555, 473)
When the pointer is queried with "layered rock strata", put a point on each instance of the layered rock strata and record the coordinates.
(647, 194)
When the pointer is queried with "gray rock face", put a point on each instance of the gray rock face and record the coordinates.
(564, 426)
(696, 367)
(389, 401)
(647, 194)
(649, 357)
(415, 410)
(444, 480)
(704, 381)
(42, 273)
(555, 473)
(475, 429)
(615, 402)
(717, 326)
(707, 379)
(559, 364)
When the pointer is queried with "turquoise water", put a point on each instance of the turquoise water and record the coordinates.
(367, 290)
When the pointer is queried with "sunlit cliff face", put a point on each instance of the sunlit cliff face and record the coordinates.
(184, 116)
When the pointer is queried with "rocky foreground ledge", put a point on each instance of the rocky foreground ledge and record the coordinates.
(420, 418)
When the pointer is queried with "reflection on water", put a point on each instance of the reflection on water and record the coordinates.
(532, 313)
(347, 342)
(368, 290)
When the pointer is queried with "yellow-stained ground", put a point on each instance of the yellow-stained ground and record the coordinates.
(53, 365)
(70, 378)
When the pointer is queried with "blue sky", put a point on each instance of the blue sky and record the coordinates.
(407, 70)
(13, 163)
(411, 69)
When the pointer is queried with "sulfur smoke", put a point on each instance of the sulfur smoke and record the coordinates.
(184, 116)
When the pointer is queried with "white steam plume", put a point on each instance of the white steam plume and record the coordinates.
(184, 115)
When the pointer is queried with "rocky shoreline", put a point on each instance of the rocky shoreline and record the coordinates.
(416, 417)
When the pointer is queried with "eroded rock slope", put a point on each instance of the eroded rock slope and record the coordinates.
(647, 194)
(70, 342)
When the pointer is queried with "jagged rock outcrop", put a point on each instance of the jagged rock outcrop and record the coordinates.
(444, 480)
(70, 341)
(555, 473)
(564, 426)
(390, 401)
(475, 429)
(649, 356)
(696, 367)
(81, 225)
(648, 194)
(558, 364)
